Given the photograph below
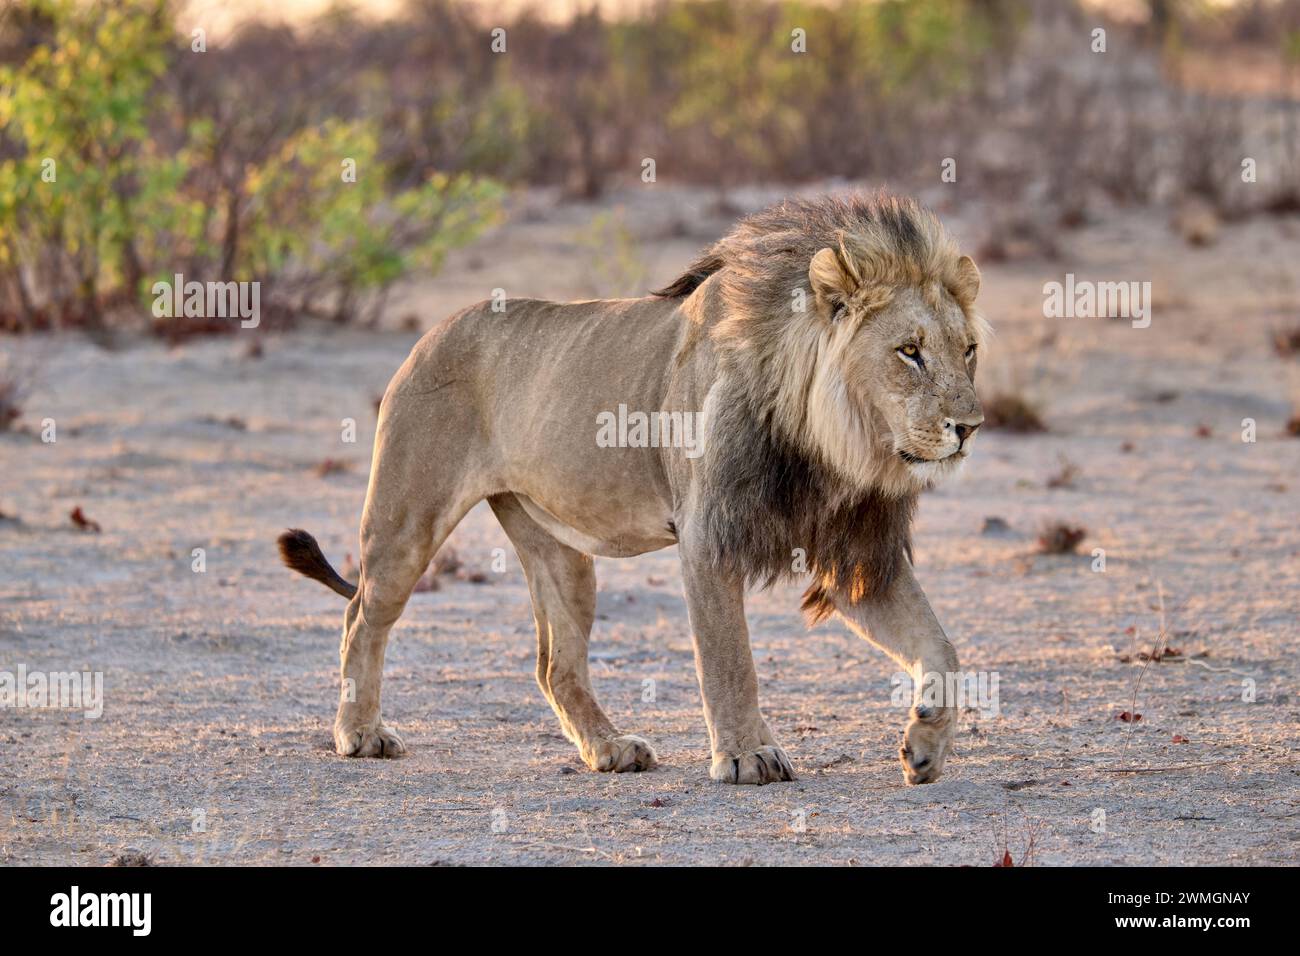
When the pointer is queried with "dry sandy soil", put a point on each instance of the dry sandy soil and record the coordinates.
(219, 687)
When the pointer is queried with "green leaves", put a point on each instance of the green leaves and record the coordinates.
(78, 107)
(142, 189)
(322, 205)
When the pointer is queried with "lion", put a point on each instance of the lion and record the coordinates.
(826, 347)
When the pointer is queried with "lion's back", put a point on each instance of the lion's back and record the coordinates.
(525, 381)
(532, 347)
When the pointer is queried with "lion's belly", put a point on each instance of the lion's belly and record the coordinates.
(635, 533)
(549, 384)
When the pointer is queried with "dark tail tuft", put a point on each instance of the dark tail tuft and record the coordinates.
(300, 552)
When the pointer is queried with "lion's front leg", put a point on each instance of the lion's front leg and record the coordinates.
(901, 623)
(744, 750)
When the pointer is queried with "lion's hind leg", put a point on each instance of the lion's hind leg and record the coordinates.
(410, 510)
(396, 547)
(562, 583)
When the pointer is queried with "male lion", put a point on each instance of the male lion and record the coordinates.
(830, 346)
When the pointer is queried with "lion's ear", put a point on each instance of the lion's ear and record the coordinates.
(966, 281)
(831, 282)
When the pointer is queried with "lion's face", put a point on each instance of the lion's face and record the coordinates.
(915, 364)
(901, 374)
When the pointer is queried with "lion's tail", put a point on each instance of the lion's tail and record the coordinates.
(299, 551)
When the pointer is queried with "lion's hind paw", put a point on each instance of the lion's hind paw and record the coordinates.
(622, 754)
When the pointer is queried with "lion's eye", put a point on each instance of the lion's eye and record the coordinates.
(970, 353)
(911, 353)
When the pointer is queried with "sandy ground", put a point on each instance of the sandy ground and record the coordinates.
(219, 687)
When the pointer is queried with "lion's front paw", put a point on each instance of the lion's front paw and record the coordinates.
(368, 740)
(764, 765)
(621, 754)
(926, 742)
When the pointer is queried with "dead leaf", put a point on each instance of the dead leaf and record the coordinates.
(331, 466)
(81, 521)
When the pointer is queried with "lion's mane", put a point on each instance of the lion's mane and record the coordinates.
(773, 500)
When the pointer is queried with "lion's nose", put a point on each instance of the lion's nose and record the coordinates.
(964, 431)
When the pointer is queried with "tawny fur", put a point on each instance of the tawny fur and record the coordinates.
(829, 346)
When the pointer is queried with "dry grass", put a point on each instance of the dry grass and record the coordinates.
(1058, 537)
(14, 383)
(20, 375)
(1012, 412)
(1028, 839)
(1064, 477)
(1286, 342)
(332, 466)
(1197, 223)
(10, 404)
(1019, 235)
(446, 562)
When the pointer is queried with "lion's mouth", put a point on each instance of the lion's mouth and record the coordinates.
(912, 459)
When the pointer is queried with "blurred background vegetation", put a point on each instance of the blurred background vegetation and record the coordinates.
(126, 156)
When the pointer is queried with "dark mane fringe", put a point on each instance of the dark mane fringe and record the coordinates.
(707, 263)
(767, 491)
(768, 498)
(765, 255)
